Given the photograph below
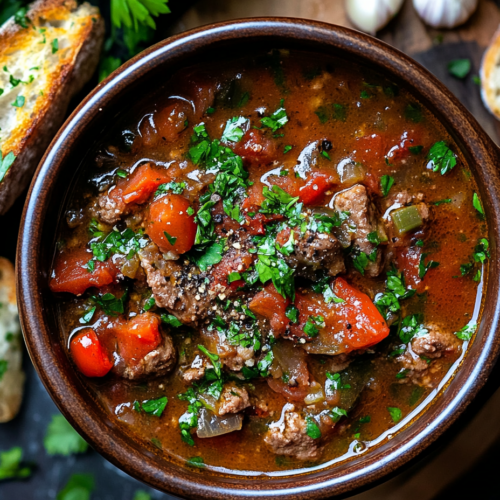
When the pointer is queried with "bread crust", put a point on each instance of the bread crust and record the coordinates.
(490, 76)
(80, 32)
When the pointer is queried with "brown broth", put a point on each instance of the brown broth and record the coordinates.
(371, 108)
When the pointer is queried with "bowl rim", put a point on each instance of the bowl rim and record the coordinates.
(480, 359)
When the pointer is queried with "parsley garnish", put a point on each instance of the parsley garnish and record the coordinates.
(21, 18)
(413, 112)
(213, 358)
(151, 302)
(10, 464)
(396, 291)
(55, 45)
(313, 325)
(208, 256)
(277, 120)
(396, 414)
(386, 182)
(336, 379)
(110, 304)
(360, 261)
(442, 157)
(373, 238)
(175, 187)
(466, 332)
(312, 429)
(79, 486)
(88, 315)
(62, 439)
(19, 102)
(411, 326)
(326, 155)
(415, 150)
(286, 149)
(337, 413)
(4, 364)
(171, 239)
(234, 131)
(122, 173)
(171, 320)
(133, 13)
(196, 462)
(151, 406)
(126, 243)
(476, 203)
(292, 313)
(459, 68)
(423, 267)
(441, 202)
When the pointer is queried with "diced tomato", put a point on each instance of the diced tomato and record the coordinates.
(256, 224)
(283, 236)
(271, 305)
(143, 183)
(315, 189)
(408, 260)
(254, 147)
(71, 276)
(231, 263)
(353, 324)
(171, 120)
(138, 336)
(255, 197)
(370, 148)
(401, 149)
(169, 225)
(89, 354)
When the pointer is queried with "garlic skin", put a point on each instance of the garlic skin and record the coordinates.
(372, 15)
(445, 13)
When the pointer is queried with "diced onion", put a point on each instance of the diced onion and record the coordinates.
(210, 425)
(350, 172)
(316, 395)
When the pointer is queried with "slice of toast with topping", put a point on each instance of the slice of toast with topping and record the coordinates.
(46, 57)
(11, 350)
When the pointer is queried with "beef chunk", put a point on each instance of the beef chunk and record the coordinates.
(110, 209)
(197, 370)
(178, 290)
(423, 349)
(315, 251)
(235, 357)
(288, 436)
(156, 363)
(233, 399)
(363, 220)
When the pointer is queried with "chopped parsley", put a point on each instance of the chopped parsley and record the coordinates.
(170, 239)
(55, 45)
(423, 266)
(411, 326)
(459, 68)
(174, 187)
(19, 102)
(441, 202)
(476, 203)
(277, 120)
(386, 182)
(395, 292)
(395, 413)
(337, 413)
(10, 464)
(196, 462)
(88, 315)
(312, 429)
(151, 302)
(292, 313)
(126, 243)
(286, 149)
(442, 158)
(336, 380)
(313, 325)
(153, 407)
(413, 112)
(5, 163)
(122, 173)
(234, 130)
(110, 304)
(78, 487)
(466, 332)
(171, 320)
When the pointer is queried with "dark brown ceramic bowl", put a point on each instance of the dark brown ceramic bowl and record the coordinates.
(48, 195)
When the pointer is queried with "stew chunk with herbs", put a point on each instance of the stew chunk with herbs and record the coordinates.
(269, 260)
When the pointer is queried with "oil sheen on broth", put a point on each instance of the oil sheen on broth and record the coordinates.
(268, 261)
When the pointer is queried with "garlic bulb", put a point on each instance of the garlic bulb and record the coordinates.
(445, 13)
(372, 15)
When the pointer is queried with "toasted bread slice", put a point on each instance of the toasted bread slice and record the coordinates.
(11, 350)
(45, 59)
(490, 76)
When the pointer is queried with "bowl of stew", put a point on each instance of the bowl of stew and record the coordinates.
(260, 261)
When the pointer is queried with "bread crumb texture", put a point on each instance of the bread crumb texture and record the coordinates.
(45, 58)
(490, 76)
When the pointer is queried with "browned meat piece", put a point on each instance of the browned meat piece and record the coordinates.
(233, 399)
(235, 357)
(288, 436)
(421, 350)
(314, 251)
(180, 291)
(110, 209)
(363, 221)
(197, 370)
(156, 363)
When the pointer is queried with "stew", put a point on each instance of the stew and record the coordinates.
(271, 262)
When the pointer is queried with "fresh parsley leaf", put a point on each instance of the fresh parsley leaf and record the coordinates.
(132, 13)
(110, 304)
(234, 129)
(360, 261)
(107, 65)
(459, 68)
(337, 413)
(441, 202)
(312, 429)
(90, 266)
(313, 325)
(411, 326)
(151, 406)
(175, 187)
(286, 149)
(208, 256)
(396, 414)
(277, 120)
(196, 462)
(87, 316)
(423, 267)
(326, 155)
(386, 182)
(4, 364)
(476, 203)
(78, 487)
(10, 464)
(336, 380)
(171, 320)
(292, 313)
(396, 291)
(373, 238)
(213, 358)
(62, 439)
(141, 495)
(234, 276)
(21, 18)
(466, 332)
(151, 302)
(55, 45)
(171, 239)
(476, 79)
(265, 363)
(365, 94)
(402, 373)
(443, 159)
(6, 163)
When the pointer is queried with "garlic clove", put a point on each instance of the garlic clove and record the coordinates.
(445, 13)
(490, 76)
(372, 15)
